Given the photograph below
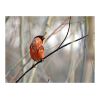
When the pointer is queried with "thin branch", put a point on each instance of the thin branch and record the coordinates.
(33, 66)
(57, 29)
(66, 34)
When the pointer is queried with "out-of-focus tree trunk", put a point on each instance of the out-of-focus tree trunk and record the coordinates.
(89, 67)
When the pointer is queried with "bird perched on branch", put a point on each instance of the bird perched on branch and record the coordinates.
(37, 49)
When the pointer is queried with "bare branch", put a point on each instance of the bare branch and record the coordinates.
(66, 34)
(33, 66)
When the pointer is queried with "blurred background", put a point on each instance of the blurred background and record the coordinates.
(74, 63)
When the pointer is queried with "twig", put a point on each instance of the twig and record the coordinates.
(67, 33)
(57, 30)
(48, 56)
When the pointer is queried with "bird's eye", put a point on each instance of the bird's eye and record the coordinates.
(31, 46)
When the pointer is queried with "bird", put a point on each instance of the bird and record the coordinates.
(37, 48)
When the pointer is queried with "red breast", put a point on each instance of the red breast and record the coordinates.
(37, 49)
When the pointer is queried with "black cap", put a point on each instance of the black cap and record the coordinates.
(41, 37)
